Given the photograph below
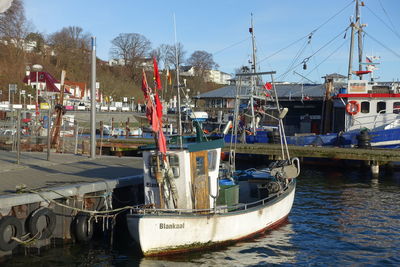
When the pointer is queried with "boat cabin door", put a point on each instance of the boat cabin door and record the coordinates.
(200, 189)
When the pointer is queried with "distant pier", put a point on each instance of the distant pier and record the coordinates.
(373, 157)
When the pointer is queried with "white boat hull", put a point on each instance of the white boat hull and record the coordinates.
(165, 234)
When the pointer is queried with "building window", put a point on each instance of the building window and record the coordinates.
(396, 107)
(381, 107)
(364, 107)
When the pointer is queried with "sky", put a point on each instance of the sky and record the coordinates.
(220, 27)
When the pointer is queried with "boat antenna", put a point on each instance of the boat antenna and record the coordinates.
(253, 78)
(179, 122)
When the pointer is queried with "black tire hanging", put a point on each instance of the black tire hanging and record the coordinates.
(9, 223)
(33, 220)
(83, 227)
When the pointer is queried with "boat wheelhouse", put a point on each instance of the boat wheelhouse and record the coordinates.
(370, 105)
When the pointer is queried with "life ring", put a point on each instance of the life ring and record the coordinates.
(353, 107)
(9, 227)
(83, 227)
(41, 223)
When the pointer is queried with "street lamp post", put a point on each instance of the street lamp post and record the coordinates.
(37, 68)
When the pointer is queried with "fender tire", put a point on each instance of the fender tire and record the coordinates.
(50, 220)
(16, 224)
(83, 227)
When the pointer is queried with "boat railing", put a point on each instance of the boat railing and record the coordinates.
(389, 115)
(146, 209)
(375, 120)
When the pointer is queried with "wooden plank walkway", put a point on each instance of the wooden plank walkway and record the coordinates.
(273, 150)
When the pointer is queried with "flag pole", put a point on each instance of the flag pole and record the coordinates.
(178, 87)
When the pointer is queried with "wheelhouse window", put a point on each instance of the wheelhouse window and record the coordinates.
(396, 107)
(212, 159)
(200, 166)
(173, 163)
(381, 107)
(365, 107)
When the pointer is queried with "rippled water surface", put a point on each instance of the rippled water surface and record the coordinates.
(340, 217)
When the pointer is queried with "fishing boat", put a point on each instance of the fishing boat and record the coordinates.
(364, 112)
(368, 114)
(193, 202)
(361, 112)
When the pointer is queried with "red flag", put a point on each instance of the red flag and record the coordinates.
(145, 86)
(157, 78)
(268, 86)
(155, 123)
(162, 143)
(149, 110)
(158, 106)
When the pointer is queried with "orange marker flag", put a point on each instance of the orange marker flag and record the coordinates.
(169, 77)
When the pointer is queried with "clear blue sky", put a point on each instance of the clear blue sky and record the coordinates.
(221, 27)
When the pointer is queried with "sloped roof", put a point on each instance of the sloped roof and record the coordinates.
(43, 77)
(283, 90)
(185, 68)
(334, 75)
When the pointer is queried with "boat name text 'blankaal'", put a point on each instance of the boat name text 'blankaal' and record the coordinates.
(172, 225)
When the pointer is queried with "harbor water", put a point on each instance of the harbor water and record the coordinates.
(340, 217)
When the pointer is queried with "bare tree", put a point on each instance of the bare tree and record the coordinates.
(13, 24)
(71, 46)
(70, 38)
(131, 48)
(161, 54)
(202, 63)
(38, 39)
(155, 53)
(172, 51)
(13, 29)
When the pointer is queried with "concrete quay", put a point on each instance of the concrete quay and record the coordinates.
(61, 188)
(62, 169)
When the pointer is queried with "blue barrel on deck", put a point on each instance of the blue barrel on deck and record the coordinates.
(226, 182)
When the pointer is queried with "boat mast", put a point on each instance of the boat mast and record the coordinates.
(355, 26)
(360, 43)
(253, 78)
(179, 121)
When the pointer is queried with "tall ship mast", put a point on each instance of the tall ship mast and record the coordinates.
(356, 26)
